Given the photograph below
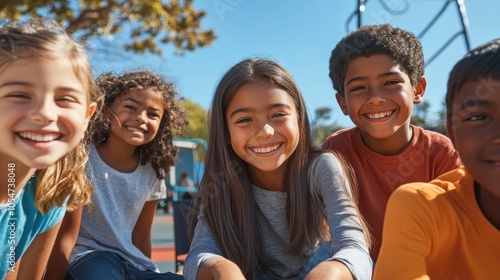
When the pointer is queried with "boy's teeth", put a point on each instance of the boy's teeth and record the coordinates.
(39, 137)
(378, 115)
(266, 149)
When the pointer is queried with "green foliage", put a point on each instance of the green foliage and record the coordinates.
(420, 114)
(149, 22)
(440, 125)
(321, 129)
(420, 117)
(197, 117)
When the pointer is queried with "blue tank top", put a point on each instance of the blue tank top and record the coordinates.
(20, 223)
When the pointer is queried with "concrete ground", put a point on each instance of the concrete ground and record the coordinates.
(162, 238)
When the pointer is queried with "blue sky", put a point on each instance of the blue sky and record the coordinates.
(300, 35)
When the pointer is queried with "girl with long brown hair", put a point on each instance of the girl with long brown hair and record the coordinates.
(270, 205)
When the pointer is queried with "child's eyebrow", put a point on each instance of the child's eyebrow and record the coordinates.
(15, 83)
(383, 75)
(28, 84)
(137, 102)
(154, 109)
(391, 73)
(356, 79)
(473, 103)
(130, 99)
(246, 109)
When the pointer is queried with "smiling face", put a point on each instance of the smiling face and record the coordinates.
(135, 116)
(44, 109)
(379, 99)
(263, 127)
(475, 132)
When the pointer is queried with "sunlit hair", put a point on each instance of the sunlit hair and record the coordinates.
(401, 45)
(225, 192)
(480, 64)
(40, 39)
(160, 152)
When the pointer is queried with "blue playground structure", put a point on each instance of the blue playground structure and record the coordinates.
(190, 159)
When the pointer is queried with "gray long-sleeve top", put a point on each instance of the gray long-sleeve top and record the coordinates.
(347, 245)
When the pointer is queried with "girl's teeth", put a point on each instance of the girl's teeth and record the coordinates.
(266, 149)
(39, 137)
(135, 129)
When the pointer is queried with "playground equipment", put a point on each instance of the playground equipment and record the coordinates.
(190, 159)
(404, 7)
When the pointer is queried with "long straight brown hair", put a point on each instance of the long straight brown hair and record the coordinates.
(225, 196)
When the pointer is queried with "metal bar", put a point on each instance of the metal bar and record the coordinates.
(465, 22)
(442, 48)
(434, 19)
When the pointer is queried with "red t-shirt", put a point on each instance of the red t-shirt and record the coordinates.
(429, 155)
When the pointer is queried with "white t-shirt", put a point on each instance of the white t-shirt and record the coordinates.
(118, 200)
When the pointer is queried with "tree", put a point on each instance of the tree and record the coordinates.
(440, 125)
(420, 114)
(421, 118)
(150, 22)
(197, 117)
(319, 129)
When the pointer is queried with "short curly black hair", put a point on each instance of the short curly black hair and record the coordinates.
(161, 151)
(402, 45)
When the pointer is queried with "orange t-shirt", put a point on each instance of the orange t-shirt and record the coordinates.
(436, 230)
(428, 155)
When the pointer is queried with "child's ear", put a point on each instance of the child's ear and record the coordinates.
(90, 113)
(419, 91)
(342, 103)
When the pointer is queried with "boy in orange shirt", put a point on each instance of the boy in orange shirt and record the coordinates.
(378, 73)
(450, 228)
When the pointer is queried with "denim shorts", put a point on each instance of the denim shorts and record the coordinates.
(102, 265)
(321, 254)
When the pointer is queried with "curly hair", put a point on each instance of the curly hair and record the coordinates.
(402, 45)
(65, 179)
(160, 152)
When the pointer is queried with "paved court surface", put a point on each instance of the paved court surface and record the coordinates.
(162, 237)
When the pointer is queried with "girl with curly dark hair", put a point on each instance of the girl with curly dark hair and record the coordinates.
(132, 149)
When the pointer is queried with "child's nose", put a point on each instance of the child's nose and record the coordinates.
(142, 117)
(44, 111)
(376, 97)
(265, 131)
